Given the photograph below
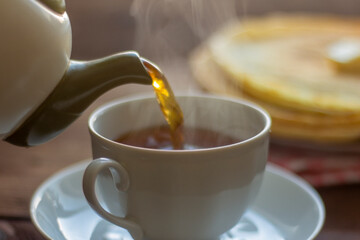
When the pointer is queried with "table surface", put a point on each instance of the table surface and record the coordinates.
(101, 28)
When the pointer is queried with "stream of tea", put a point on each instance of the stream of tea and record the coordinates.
(169, 107)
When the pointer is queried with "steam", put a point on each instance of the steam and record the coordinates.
(167, 30)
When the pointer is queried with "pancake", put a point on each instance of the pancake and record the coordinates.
(287, 123)
(283, 60)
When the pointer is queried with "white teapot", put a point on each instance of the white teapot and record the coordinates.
(42, 91)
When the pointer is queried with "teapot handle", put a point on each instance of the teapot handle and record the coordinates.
(83, 83)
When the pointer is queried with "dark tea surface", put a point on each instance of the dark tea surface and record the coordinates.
(160, 138)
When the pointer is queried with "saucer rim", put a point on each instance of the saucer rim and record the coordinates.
(310, 190)
(39, 191)
(271, 168)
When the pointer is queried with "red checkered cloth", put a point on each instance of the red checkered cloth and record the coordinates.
(319, 168)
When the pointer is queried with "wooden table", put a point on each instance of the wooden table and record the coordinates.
(101, 28)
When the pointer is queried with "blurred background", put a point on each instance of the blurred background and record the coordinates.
(95, 21)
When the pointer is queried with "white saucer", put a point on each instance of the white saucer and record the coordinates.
(286, 208)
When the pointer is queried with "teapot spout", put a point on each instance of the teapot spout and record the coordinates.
(83, 83)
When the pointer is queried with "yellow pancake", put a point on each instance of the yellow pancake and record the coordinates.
(283, 61)
(287, 123)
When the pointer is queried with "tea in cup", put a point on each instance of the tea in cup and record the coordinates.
(158, 193)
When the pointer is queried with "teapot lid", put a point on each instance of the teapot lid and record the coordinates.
(55, 5)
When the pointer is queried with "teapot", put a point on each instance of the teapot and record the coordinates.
(42, 91)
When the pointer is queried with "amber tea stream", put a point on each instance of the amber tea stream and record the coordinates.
(169, 107)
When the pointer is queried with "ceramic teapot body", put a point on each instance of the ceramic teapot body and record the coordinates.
(39, 84)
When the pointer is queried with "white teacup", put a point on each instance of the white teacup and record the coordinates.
(176, 194)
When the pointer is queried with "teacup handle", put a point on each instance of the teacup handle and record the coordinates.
(91, 172)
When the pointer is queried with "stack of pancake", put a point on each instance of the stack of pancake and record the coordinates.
(304, 70)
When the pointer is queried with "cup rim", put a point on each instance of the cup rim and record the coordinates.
(265, 130)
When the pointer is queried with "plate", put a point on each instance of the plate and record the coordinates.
(286, 208)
